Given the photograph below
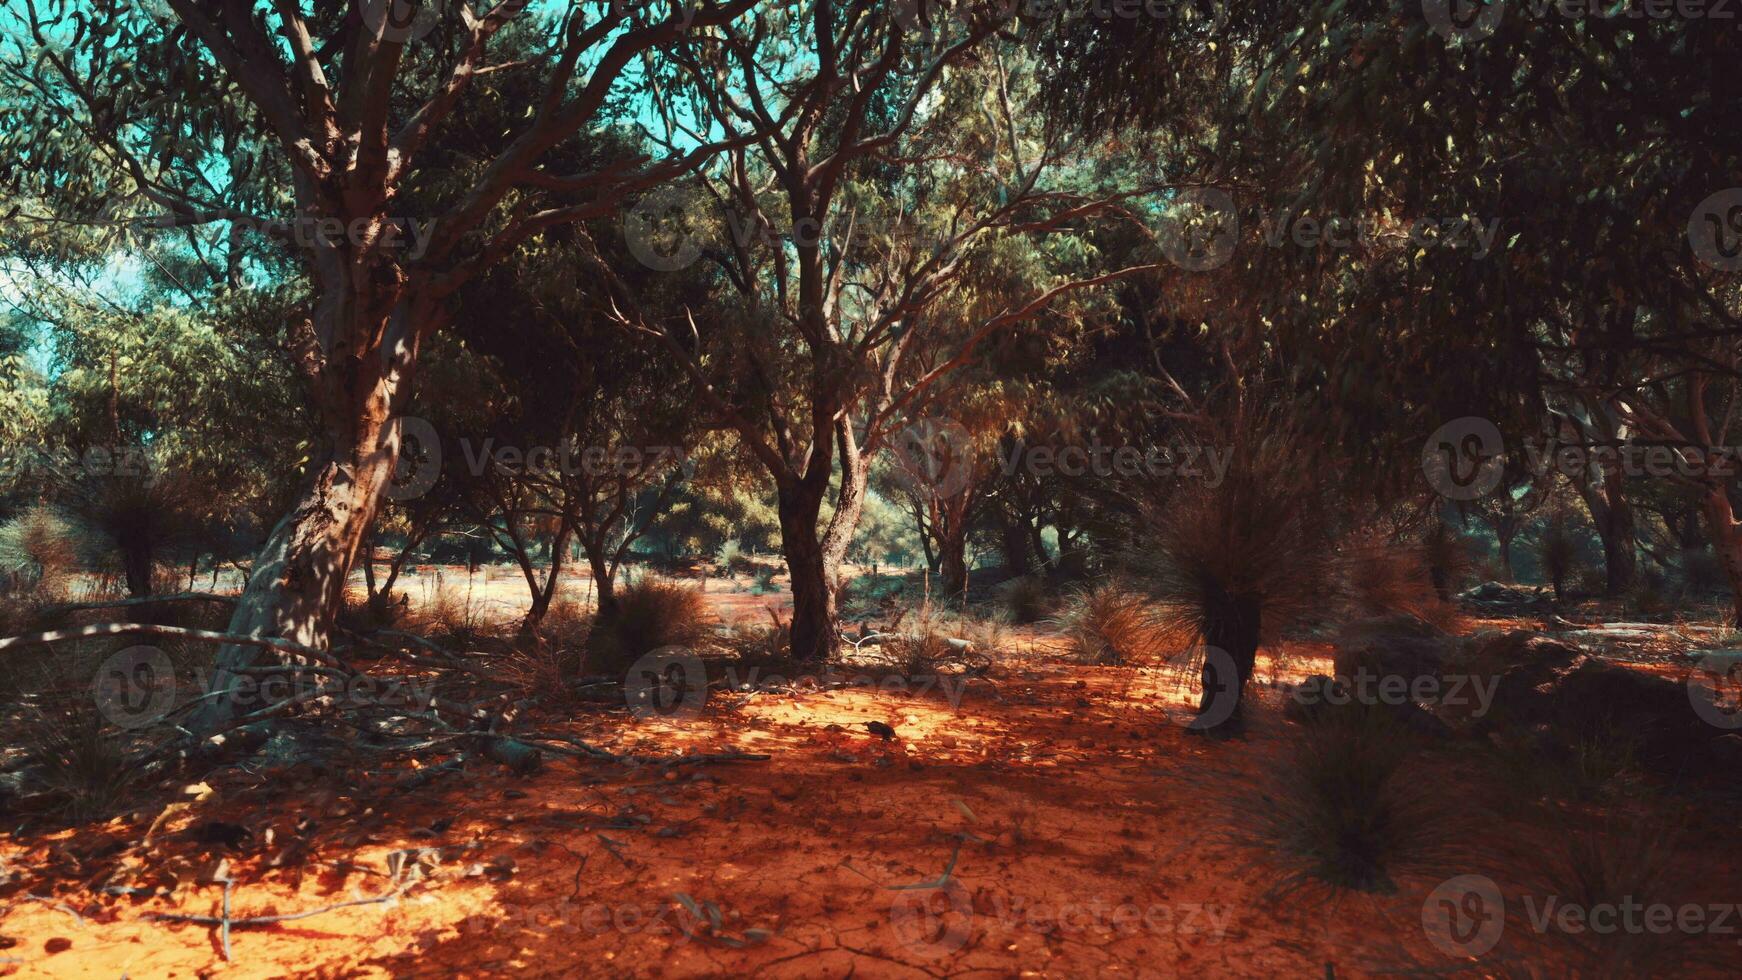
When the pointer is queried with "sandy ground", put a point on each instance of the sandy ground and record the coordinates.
(1055, 820)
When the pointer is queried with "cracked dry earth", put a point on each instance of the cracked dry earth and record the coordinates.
(1057, 821)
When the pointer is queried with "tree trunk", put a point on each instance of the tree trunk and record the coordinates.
(1013, 538)
(1612, 513)
(1231, 627)
(555, 548)
(953, 569)
(296, 586)
(136, 566)
(1726, 536)
(369, 565)
(813, 580)
(604, 576)
(815, 561)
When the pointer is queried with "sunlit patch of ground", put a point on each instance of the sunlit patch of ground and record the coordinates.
(1059, 821)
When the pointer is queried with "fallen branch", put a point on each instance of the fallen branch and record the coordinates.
(137, 601)
(270, 920)
(170, 633)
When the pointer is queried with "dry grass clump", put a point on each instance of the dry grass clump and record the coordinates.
(648, 614)
(1336, 809)
(78, 769)
(37, 560)
(1618, 862)
(1112, 625)
(452, 612)
(1027, 600)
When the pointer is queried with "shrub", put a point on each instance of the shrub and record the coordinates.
(1111, 624)
(1617, 861)
(451, 612)
(763, 579)
(647, 615)
(37, 554)
(131, 522)
(82, 770)
(1700, 572)
(1334, 809)
(1026, 600)
(1237, 562)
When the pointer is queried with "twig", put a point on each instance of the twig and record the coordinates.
(268, 920)
(57, 906)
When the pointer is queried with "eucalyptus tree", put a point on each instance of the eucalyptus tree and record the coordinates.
(897, 159)
(316, 124)
(1591, 149)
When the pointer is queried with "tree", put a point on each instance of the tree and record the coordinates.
(330, 119)
(895, 161)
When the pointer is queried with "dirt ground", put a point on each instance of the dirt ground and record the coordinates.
(1052, 819)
